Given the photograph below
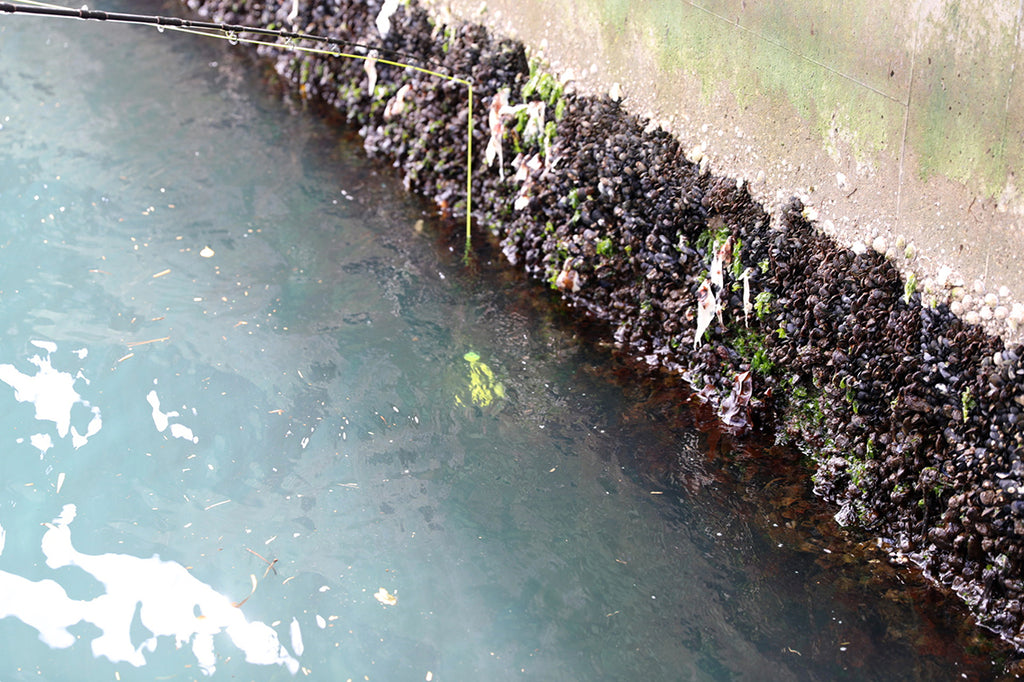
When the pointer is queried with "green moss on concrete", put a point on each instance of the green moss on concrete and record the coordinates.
(959, 105)
(857, 73)
(770, 55)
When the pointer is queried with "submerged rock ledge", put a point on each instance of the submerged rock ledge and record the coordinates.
(913, 418)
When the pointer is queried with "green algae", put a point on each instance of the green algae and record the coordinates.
(928, 87)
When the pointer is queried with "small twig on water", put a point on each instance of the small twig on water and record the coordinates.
(238, 605)
(270, 564)
(132, 344)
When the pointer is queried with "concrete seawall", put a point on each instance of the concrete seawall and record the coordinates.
(899, 125)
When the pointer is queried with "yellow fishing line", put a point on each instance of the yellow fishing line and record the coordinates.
(233, 39)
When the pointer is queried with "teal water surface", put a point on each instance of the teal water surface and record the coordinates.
(256, 423)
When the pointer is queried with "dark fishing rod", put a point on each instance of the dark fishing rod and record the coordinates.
(233, 32)
(162, 22)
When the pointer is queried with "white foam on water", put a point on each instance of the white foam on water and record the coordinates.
(22, 598)
(48, 346)
(162, 420)
(296, 635)
(170, 602)
(53, 394)
(42, 442)
(95, 424)
(182, 431)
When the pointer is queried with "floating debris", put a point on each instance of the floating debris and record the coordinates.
(385, 597)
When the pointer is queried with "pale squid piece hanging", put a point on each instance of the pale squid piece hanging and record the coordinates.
(747, 306)
(707, 306)
(723, 257)
(396, 105)
(496, 115)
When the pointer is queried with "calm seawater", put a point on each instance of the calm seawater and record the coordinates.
(257, 423)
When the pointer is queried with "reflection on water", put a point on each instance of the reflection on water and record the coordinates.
(169, 600)
(53, 395)
(296, 436)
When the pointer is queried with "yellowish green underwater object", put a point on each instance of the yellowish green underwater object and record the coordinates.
(483, 388)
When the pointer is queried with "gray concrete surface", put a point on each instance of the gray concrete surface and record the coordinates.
(900, 125)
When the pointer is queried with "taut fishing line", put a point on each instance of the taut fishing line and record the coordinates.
(233, 34)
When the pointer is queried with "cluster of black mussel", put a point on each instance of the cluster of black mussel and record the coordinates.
(914, 419)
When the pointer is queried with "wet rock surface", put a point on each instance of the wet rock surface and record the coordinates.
(912, 418)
